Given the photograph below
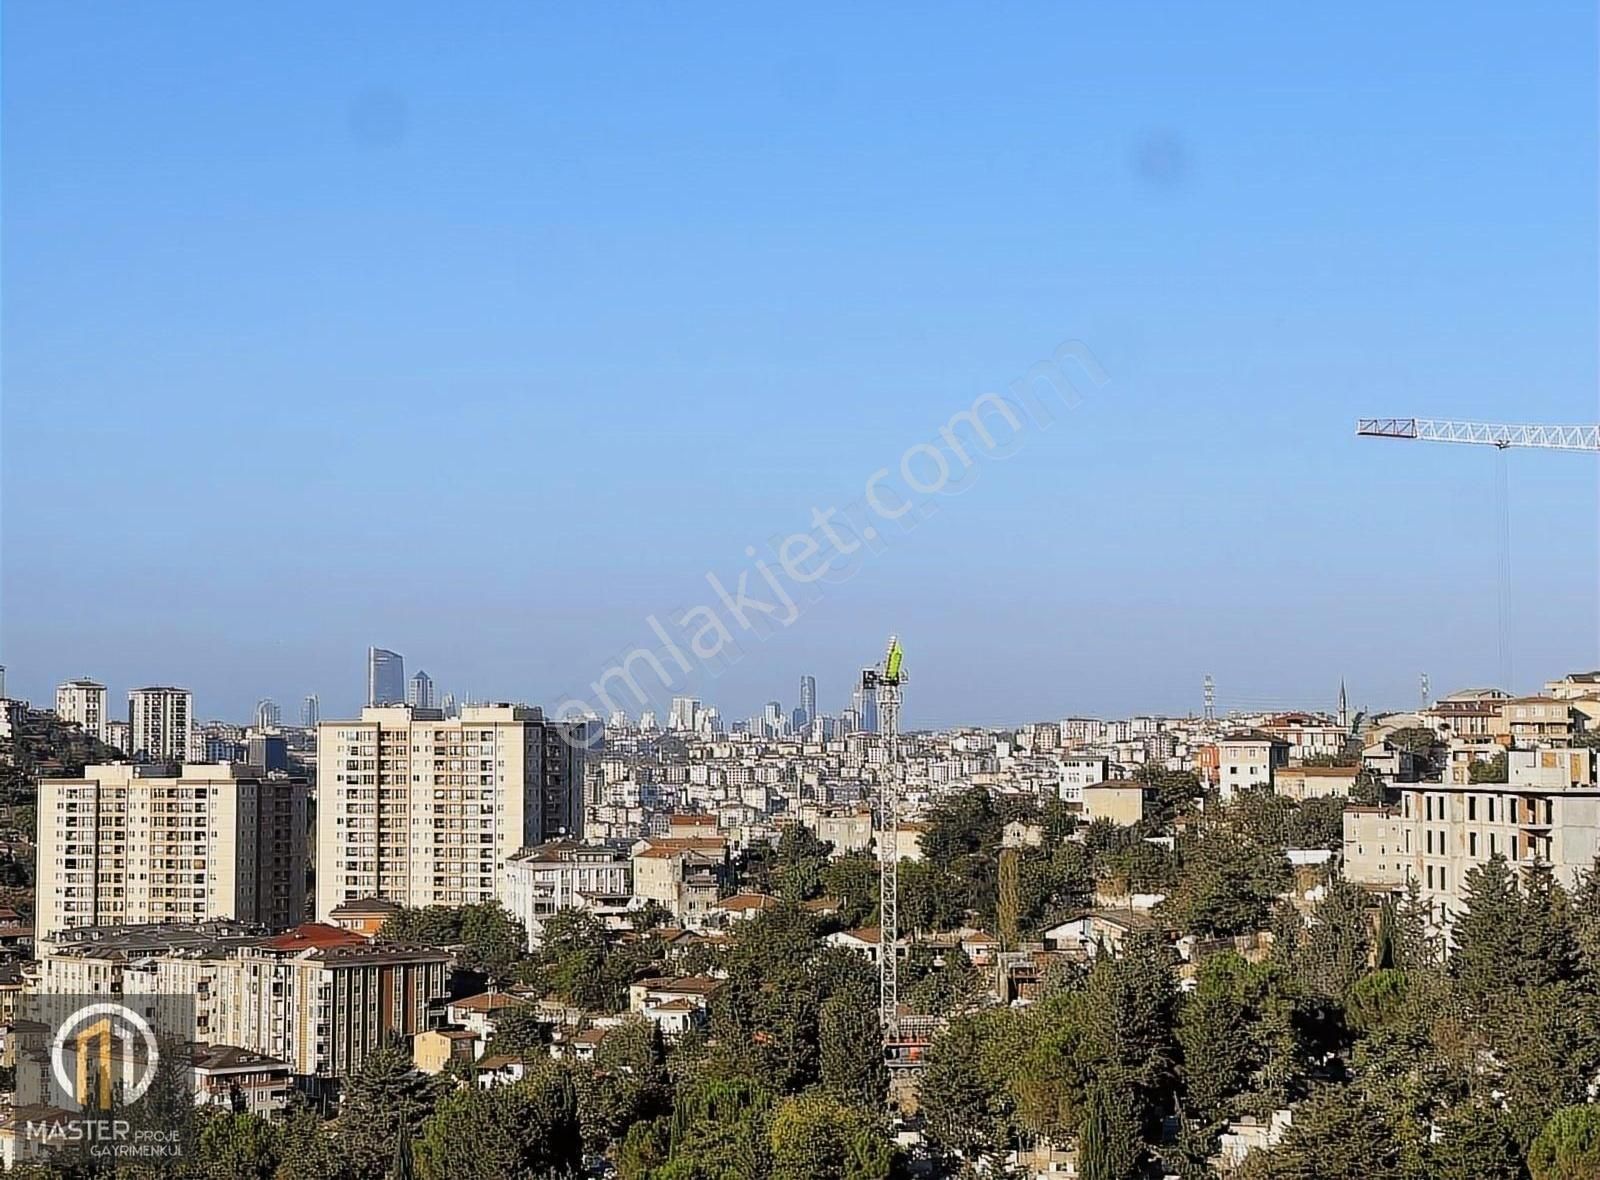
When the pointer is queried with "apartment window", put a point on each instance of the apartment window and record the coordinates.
(1491, 809)
(1430, 841)
(1472, 843)
(1430, 806)
(1443, 878)
(1472, 807)
(1430, 876)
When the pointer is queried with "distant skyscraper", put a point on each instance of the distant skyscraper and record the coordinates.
(2, 682)
(685, 714)
(310, 711)
(268, 715)
(797, 720)
(386, 677)
(808, 698)
(447, 705)
(161, 723)
(83, 703)
(419, 691)
(772, 719)
(866, 709)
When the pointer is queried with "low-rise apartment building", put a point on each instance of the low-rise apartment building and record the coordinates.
(1246, 760)
(684, 875)
(562, 875)
(1548, 814)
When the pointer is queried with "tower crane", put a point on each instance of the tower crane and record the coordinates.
(1502, 436)
(885, 681)
(1494, 434)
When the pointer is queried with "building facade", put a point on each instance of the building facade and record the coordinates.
(129, 844)
(83, 703)
(386, 677)
(425, 810)
(161, 724)
(561, 875)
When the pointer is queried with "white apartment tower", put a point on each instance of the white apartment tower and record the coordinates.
(83, 703)
(161, 724)
(425, 810)
(129, 844)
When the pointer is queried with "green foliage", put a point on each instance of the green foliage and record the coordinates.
(1316, 823)
(520, 1032)
(1337, 1135)
(851, 1052)
(852, 881)
(1477, 1144)
(766, 1020)
(240, 1146)
(998, 1074)
(385, 1100)
(1416, 739)
(1490, 770)
(800, 859)
(1226, 883)
(1568, 1146)
(491, 940)
(813, 1135)
(580, 963)
(528, 1130)
(310, 1149)
(939, 984)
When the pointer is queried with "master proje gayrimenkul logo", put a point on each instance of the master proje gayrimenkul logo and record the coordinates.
(99, 1075)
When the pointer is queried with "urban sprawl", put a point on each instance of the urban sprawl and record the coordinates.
(464, 939)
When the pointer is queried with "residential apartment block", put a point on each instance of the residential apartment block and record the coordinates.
(562, 875)
(135, 844)
(83, 703)
(425, 810)
(161, 724)
(316, 997)
(1548, 814)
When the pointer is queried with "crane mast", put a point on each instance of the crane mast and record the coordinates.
(885, 681)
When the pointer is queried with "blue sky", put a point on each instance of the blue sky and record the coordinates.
(485, 335)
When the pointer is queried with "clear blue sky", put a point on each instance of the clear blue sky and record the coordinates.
(482, 334)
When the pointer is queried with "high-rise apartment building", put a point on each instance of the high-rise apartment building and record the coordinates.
(386, 677)
(424, 810)
(310, 712)
(419, 691)
(83, 703)
(161, 724)
(808, 698)
(268, 715)
(131, 844)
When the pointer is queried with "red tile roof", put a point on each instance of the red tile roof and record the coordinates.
(314, 936)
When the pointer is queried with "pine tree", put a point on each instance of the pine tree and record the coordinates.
(1488, 936)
